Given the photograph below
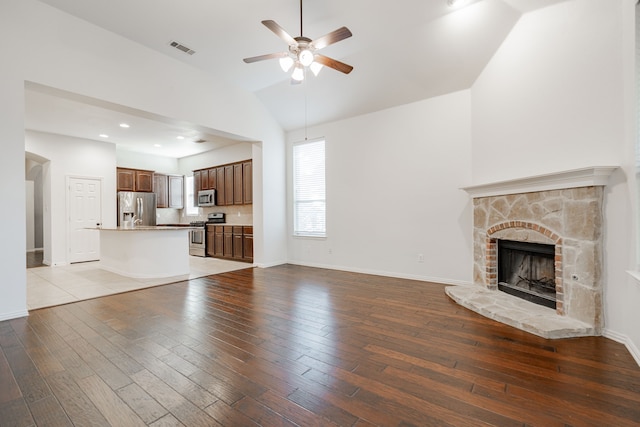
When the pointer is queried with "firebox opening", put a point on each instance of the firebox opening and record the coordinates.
(527, 270)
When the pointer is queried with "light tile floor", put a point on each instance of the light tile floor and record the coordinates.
(48, 286)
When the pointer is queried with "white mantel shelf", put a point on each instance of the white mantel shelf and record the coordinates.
(585, 177)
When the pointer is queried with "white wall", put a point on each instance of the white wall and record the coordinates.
(51, 48)
(393, 180)
(69, 156)
(221, 156)
(134, 160)
(558, 95)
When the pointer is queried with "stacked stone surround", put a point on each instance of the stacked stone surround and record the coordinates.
(571, 219)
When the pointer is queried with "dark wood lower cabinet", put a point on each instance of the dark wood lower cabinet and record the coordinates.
(247, 244)
(232, 242)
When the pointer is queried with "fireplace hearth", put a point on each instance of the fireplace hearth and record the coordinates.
(527, 270)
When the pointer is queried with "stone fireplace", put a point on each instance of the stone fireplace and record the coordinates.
(562, 215)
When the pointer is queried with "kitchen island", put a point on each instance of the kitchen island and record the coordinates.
(145, 252)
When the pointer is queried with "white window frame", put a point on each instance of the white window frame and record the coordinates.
(311, 227)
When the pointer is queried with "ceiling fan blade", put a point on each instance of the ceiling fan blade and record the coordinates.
(332, 37)
(279, 31)
(333, 63)
(264, 57)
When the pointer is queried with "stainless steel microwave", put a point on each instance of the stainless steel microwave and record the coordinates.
(206, 198)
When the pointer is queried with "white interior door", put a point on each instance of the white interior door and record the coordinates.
(85, 196)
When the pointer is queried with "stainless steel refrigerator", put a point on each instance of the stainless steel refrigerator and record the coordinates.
(133, 206)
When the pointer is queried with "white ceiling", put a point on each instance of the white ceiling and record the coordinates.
(401, 51)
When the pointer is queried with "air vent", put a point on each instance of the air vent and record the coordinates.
(182, 47)
(200, 141)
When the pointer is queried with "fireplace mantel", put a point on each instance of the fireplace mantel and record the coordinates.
(585, 177)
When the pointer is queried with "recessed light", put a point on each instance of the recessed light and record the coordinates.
(157, 145)
(180, 137)
(124, 125)
(104, 135)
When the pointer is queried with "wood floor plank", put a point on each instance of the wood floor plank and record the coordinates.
(114, 409)
(292, 345)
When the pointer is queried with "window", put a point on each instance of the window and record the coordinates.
(189, 195)
(309, 204)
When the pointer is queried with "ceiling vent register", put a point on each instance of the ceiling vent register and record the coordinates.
(182, 47)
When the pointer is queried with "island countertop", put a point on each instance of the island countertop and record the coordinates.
(145, 228)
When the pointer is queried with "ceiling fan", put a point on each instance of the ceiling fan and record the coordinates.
(302, 51)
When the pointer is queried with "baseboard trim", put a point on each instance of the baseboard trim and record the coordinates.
(397, 275)
(14, 315)
(623, 339)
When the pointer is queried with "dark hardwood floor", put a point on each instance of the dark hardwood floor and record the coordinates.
(292, 345)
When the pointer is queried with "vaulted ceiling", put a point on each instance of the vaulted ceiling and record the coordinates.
(401, 51)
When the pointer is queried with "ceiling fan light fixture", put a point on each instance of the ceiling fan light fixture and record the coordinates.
(315, 68)
(305, 57)
(286, 63)
(298, 73)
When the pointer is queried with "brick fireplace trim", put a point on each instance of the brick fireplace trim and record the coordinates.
(491, 256)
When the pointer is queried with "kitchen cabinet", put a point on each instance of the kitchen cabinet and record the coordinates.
(220, 194)
(176, 191)
(196, 186)
(204, 179)
(233, 182)
(247, 243)
(237, 243)
(213, 179)
(238, 188)
(134, 180)
(247, 183)
(169, 190)
(234, 242)
(227, 249)
(228, 185)
(160, 184)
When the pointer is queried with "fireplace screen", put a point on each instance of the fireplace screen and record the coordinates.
(527, 270)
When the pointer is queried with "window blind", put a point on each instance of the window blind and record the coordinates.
(309, 202)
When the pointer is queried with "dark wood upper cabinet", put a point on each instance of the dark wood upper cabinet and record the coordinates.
(212, 179)
(144, 181)
(196, 186)
(220, 193)
(204, 179)
(126, 179)
(161, 186)
(247, 182)
(233, 182)
(228, 185)
(238, 177)
(134, 180)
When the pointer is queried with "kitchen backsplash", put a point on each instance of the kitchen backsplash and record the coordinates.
(237, 214)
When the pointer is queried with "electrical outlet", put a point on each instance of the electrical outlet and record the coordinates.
(330, 251)
(420, 258)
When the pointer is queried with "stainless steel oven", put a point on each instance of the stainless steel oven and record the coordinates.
(197, 239)
(198, 233)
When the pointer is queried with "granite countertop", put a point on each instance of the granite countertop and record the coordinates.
(144, 228)
(232, 224)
